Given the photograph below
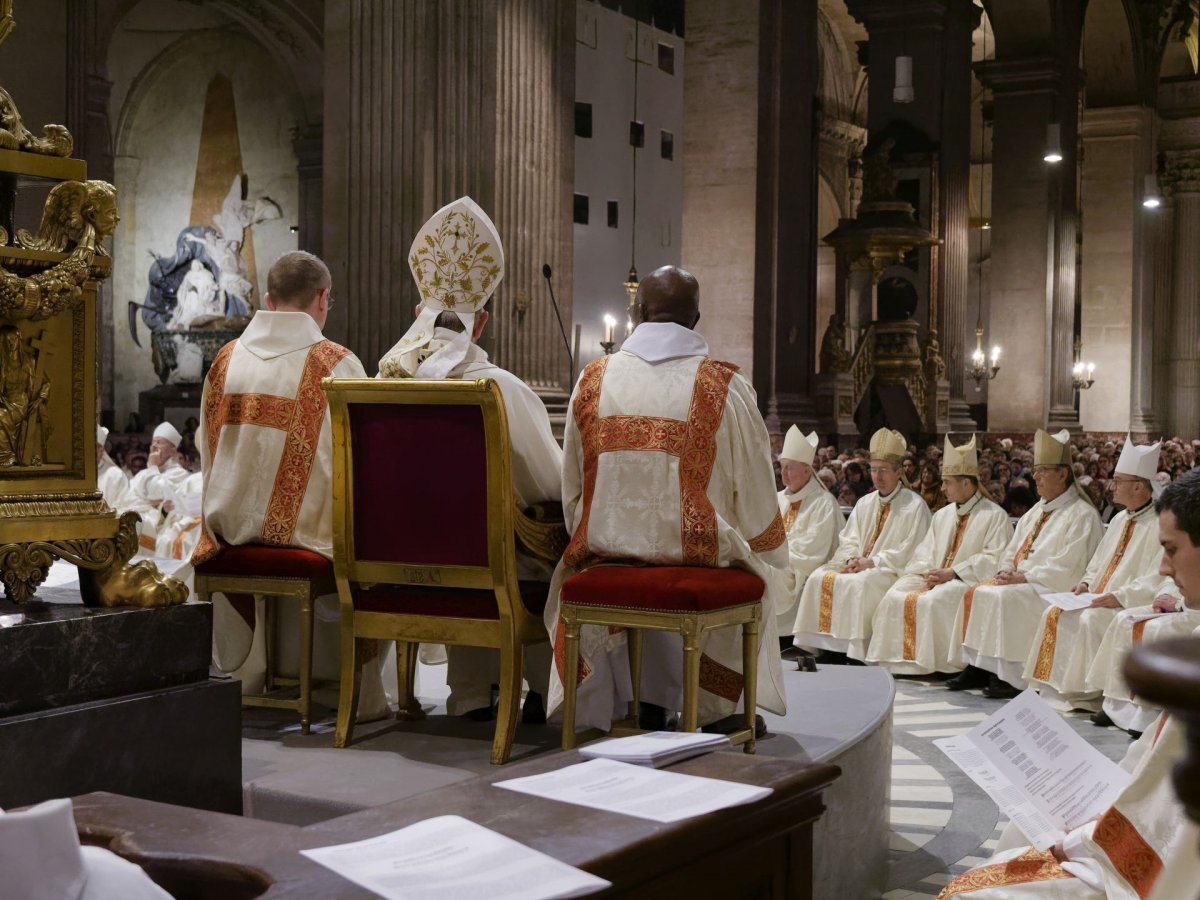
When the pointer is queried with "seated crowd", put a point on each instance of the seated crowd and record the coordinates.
(666, 461)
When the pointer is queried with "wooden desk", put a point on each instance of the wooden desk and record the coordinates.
(762, 849)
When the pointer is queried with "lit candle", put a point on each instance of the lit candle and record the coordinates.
(628, 327)
(995, 355)
(977, 357)
(1078, 370)
(609, 324)
(1091, 369)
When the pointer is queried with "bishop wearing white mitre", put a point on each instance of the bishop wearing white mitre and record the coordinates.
(885, 527)
(812, 518)
(913, 632)
(1051, 548)
(666, 461)
(442, 344)
(1123, 573)
(149, 487)
(1139, 846)
(111, 482)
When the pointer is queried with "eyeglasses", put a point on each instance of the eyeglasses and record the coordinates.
(1043, 470)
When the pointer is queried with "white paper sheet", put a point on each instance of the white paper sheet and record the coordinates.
(635, 790)
(1068, 601)
(656, 748)
(1042, 775)
(448, 857)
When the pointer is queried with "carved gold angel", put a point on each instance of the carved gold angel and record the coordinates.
(77, 214)
(55, 139)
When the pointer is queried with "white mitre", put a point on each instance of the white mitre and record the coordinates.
(101, 435)
(457, 262)
(1051, 449)
(962, 460)
(889, 445)
(799, 447)
(1140, 461)
(167, 430)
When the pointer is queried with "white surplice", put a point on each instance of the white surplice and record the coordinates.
(836, 610)
(1128, 629)
(113, 483)
(1051, 547)
(1119, 856)
(666, 461)
(814, 523)
(1125, 565)
(179, 532)
(537, 478)
(913, 630)
(266, 451)
(147, 490)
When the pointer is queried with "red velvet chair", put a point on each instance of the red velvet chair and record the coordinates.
(423, 530)
(687, 599)
(273, 572)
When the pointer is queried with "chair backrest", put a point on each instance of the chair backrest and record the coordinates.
(422, 483)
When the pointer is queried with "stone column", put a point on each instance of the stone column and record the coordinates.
(937, 35)
(429, 100)
(1164, 277)
(1182, 178)
(307, 143)
(1117, 314)
(1033, 261)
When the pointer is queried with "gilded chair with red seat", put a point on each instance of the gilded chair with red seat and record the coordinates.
(689, 600)
(247, 570)
(423, 529)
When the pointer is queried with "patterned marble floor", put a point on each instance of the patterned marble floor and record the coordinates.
(942, 824)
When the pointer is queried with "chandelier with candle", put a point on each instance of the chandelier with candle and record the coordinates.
(1083, 373)
(982, 369)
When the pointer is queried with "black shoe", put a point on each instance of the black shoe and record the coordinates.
(833, 658)
(533, 711)
(482, 714)
(805, 662)
(652, 717)
(968, 679)
(787, 643)
(1135, 734)
(1101, 720)
(736, 722)
(998, 689)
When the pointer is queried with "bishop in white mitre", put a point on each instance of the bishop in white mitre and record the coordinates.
(838, 603)
(913, 632)
(443, 343)
(1123, 573)
(666, 461)
(149, 487)
(813, 521)
(1049, 552)
(111, 482)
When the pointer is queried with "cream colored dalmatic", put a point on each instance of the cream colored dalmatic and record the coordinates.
(813, 521)
(836, 610)
(1052, 546)
(913, 631)
(179, 532)
(149, 487)
(1117, 857)
(666, 461)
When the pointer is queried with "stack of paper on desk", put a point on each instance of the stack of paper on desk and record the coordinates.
(656, 748)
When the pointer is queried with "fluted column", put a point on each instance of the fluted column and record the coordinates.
(428, 100)
(1183, 180)
(1164, 276)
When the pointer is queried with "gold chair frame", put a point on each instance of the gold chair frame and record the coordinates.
(510, 633)
(691, 626)
(305, 590)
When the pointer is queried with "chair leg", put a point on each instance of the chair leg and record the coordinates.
(350, 683)
(306, 650)
(750, 678)
(409, 709)
(689, 629)
(512, 671)
(635, 669)
(268, 625)
(570, 685)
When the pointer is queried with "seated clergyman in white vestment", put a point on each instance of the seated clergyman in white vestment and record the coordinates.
(913, 632)
(179, 532)
(1166, 617)
(266, 453)
(667, 462)
(149, 487)
(1123, 573)
(813, 521)
(442, 343)
(1053, 543)
(885, 527)
(1121, 854)
(111, 482)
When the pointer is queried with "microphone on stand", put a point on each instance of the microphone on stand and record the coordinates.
(546, 273)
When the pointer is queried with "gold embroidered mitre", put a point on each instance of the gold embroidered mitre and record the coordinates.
(888, 444)
(799, 447)
(962, 460)
(1052, 449)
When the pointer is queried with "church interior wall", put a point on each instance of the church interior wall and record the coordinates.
(603, 162)
(157, 151)
(720, 116)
